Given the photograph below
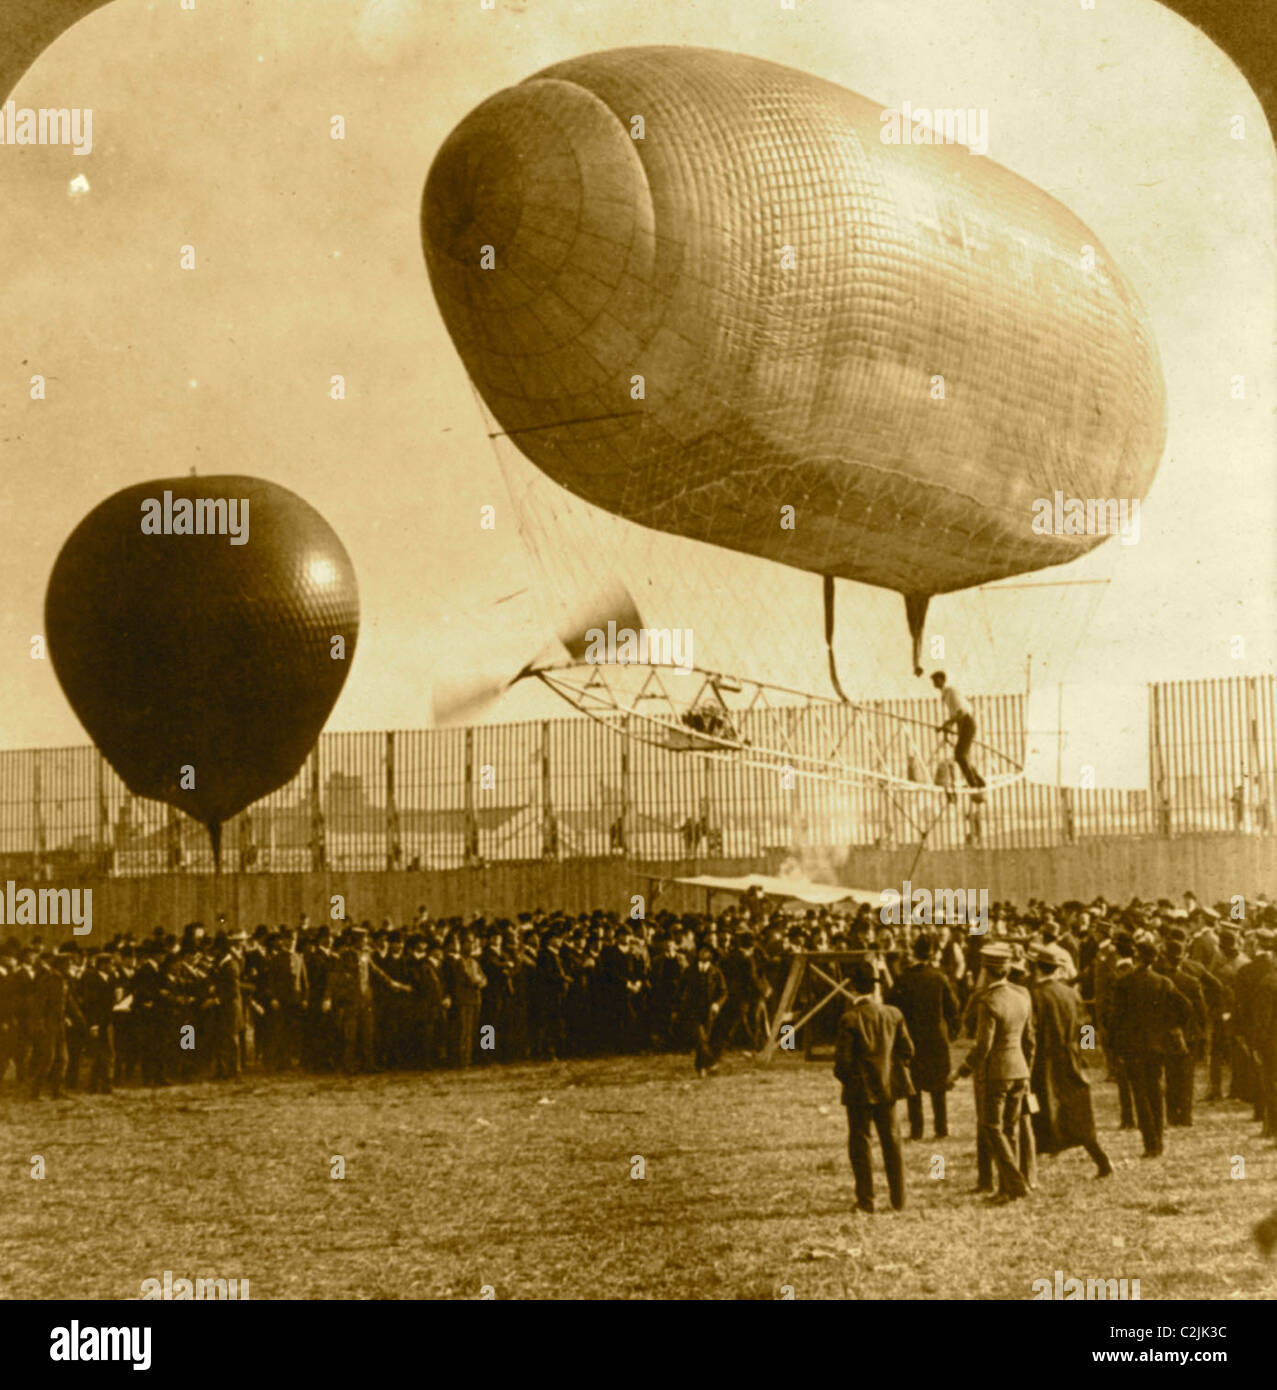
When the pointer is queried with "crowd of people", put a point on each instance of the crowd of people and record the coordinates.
(215, 1003)
(1154, 989)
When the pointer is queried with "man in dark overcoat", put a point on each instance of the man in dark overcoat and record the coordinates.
(1065, 1118)
(925, 997)
(1149, 1015)
(872, 1062)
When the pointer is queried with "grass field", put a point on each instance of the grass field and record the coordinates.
(520, 1178)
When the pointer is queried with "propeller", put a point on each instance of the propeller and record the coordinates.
(468, 699)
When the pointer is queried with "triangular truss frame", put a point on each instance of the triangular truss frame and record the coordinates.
(640, 693)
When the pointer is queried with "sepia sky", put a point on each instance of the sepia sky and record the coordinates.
(211, 127)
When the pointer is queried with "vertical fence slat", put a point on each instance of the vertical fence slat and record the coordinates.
(580, 788)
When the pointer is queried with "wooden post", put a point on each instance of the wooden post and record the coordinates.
(103, 837)
(787, 996)
(472, 858)
(318, 848)
(624, 837)
(800, 964)
(549, 823)
(394, 850)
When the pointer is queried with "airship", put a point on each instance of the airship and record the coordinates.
(202, 629)
(704, 292)
(27, 30)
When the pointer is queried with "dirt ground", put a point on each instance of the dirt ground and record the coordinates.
(523, 1179)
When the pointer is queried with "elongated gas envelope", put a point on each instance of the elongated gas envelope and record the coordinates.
(790, 289)
(203, 669)
(28, 27)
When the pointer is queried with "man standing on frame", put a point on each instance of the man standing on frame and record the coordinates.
(1003, 1052)
(958, 716)
(872, 1058)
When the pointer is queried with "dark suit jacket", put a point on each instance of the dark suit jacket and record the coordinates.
(925, 997)
(151, 993)
(1265, 1021)
(1211, 985)
(551, 980)
(428, 991)
(464, 980)
(52, 1002)
(1187, 983)
(1226, 974)
(745, 976)
(227, 983)
(286, 977)
(319, 966)
(873, 1054)
(1245, 985)
(1146, 1007)
(97, 998)
(701, 990)
(667, 979)
(500, 971)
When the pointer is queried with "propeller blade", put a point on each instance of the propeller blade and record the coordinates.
(466, 701)
(593, 614)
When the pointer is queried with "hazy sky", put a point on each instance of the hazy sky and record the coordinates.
(211, 127)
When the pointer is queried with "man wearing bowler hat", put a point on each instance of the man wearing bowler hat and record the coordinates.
(925, 997)
(1149, 1016)
(99, 993)
(702, 994)
(871, 1060)
(1251, 1018)
(228, 1011)
(747, 987)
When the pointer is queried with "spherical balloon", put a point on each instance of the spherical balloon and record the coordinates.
(202, 629)
(697, 288)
